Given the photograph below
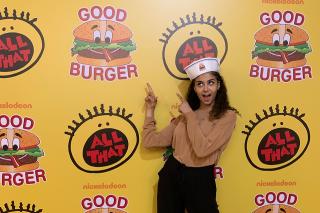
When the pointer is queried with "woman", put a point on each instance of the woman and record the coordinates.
(198, 137)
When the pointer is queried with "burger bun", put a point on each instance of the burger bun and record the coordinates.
(265, 34)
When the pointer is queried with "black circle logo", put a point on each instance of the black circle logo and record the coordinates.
(191, 39)
(21, 43)
(277, 139)
(102, 140)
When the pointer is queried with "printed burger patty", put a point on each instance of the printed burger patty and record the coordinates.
(98, 53)
(21, 160)
(276, 56)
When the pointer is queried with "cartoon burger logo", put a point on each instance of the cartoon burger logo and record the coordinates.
(19, 150)
(202, 67)
(281, 46)
(103, 43)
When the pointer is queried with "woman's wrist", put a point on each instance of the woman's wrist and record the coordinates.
(150, 112)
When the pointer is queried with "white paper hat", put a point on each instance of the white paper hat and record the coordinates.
(201, 66)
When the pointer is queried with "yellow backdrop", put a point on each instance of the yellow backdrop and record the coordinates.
(88, 115)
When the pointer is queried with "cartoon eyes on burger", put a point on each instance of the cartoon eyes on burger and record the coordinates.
(276, 39)
(4, 144)
(97, 36)
(286, 39)
(15, 144)
(108, 37)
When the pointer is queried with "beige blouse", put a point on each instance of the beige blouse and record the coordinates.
(196, 140)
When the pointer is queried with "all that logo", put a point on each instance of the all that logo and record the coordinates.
(109, 203)
(19, 152)
(190, 39)
(20, 207)
(281, 47)
(21, 43)
(102, 45)
(276, 202)
(102, 140)
(276, 139)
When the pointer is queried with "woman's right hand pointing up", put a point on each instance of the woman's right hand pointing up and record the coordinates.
(150, 101)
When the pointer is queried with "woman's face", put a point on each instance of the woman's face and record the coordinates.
(206, 87)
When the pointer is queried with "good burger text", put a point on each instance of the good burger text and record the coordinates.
(280, 75)
(100, 201)
(274, 197)
(102, 45)
(19, 152)
(278, 17)
(89, 72)
(102, 13)
(21, 178)
(280, 49)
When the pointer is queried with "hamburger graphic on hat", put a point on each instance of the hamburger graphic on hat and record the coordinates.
(103, 43)
(281, 46)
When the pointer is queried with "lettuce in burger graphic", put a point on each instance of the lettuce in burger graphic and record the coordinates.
(19, 150)
(103, 43)
(281, 46)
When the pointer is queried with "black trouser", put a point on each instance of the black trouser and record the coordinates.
(191, 188)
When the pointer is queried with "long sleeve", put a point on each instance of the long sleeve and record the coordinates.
(153, 138)
(218, 137)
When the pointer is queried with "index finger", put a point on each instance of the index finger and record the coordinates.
(180, 97)
(149, 89)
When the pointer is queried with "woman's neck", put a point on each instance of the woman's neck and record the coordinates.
(204, 107)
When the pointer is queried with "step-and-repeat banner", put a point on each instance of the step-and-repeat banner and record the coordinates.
(73, 76)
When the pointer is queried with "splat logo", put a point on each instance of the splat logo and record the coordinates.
(19, 152)
(110, 203)
(280, 48)
(21, 43)
(273, 202)
(102, 141)
(202, 38)
(277, 139)
(12, 207)
(102, 45)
